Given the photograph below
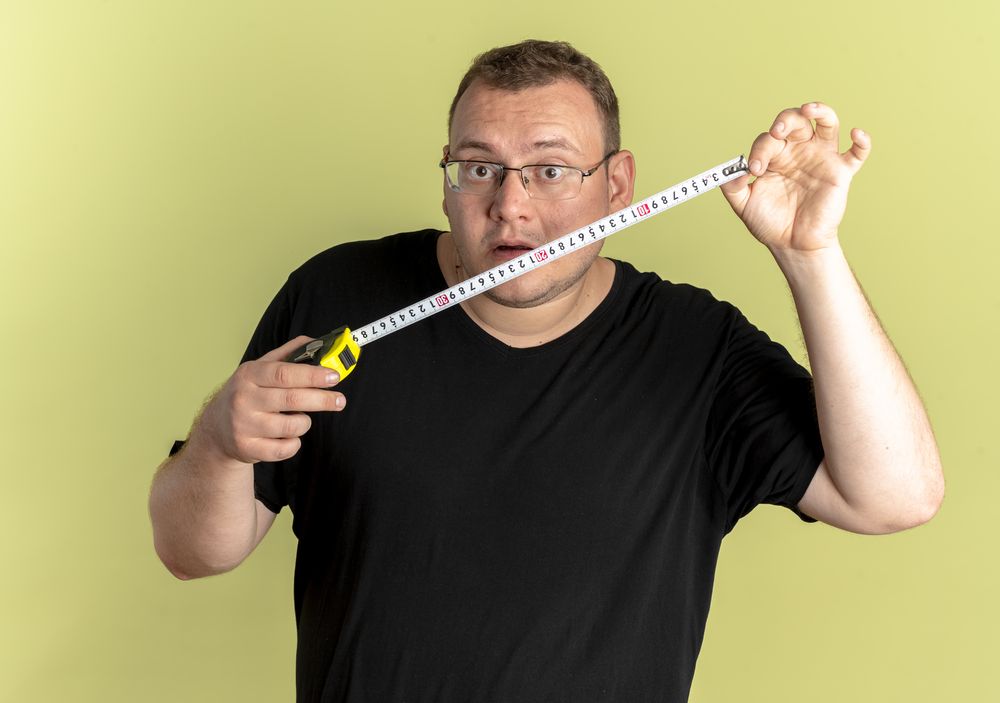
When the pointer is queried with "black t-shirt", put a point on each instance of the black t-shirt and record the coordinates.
(485, 523)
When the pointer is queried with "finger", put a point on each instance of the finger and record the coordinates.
(279, 425)
(827, 124)
(861, 146)
(284, 374)
(737, 192)
(300, 400)
(763, 150)
(791, 125)
(287, 348)
(274, 449)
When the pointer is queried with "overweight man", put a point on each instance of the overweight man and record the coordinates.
(523, 497)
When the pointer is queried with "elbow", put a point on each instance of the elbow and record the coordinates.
(189, 572)
(921, 496)
(176, 567)
(916, 512)
(891, 499)
(179, 573)
(931, 505)
(915, 517)
(933, 496)
(189, 568)
(930, 499)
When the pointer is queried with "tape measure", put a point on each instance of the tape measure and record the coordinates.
(340, 350)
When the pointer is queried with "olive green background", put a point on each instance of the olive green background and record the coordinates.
(164, 165)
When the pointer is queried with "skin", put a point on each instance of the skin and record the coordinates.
(206, 519)
(882, 471)
(557, 123)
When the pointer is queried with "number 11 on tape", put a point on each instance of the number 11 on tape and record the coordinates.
(340, 350)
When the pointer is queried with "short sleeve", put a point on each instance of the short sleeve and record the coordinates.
(762, 441)
(272, 331)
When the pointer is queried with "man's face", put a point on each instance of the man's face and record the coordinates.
(553, 124)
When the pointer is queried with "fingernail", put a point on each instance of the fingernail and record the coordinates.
(340, 401)
(779, 127)
(861, 132)
(755, 167)
(332, 378)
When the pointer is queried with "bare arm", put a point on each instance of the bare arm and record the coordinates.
(882, 470)
(205, 517)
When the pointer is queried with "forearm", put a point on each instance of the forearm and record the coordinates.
(203, 512)
(880, 449)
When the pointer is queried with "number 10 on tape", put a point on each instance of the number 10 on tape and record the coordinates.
(340, 350)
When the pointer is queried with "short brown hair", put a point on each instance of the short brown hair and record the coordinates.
(532, 63)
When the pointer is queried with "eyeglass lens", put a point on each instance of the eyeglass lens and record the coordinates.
(545, 182)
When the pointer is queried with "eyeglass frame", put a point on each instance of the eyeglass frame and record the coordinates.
(504, 168)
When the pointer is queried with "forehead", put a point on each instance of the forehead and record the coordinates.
(561, 116)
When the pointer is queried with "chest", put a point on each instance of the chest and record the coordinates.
(600, 433)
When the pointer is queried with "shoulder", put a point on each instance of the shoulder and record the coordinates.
(360, 258)
(351, 282)
(692, 321)
(347, 284)
(648, 296)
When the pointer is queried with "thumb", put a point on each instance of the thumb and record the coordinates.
(737, 192)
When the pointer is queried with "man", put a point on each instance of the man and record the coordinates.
(525, 497)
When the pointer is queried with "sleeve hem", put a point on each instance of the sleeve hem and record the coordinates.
(266, 502)
(800, 490)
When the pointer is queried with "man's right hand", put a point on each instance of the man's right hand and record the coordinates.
(259, 414)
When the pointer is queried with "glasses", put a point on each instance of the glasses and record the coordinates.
(542, 181)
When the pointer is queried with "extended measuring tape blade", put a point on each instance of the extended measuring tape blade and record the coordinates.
(340, 349)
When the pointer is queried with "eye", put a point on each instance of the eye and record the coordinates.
(552, 173)
(479, 172)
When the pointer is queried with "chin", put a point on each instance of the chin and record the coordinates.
(540, 287)
(511, 295)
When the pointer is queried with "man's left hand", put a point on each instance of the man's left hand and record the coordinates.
(797, 200)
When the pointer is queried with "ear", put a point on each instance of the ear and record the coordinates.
(444, 201)
(621, 180)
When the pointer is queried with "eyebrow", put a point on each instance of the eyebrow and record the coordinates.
(552, 143)
(556, 143)
(473, 144)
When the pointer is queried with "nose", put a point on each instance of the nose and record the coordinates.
(511, 201)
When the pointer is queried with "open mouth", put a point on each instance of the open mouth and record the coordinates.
(505, 252)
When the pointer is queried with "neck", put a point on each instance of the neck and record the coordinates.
(524, 327)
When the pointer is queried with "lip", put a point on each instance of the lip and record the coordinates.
(504, 251)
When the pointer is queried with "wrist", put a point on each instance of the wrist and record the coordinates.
(806, 266)
(204, 451)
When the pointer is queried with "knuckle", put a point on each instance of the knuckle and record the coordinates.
(241, 428)
(243, 376)
(244, 447)
(285, 449)
(290, 399)
(762, 141)
(282, 375)
(295, 425)
(239, 402)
